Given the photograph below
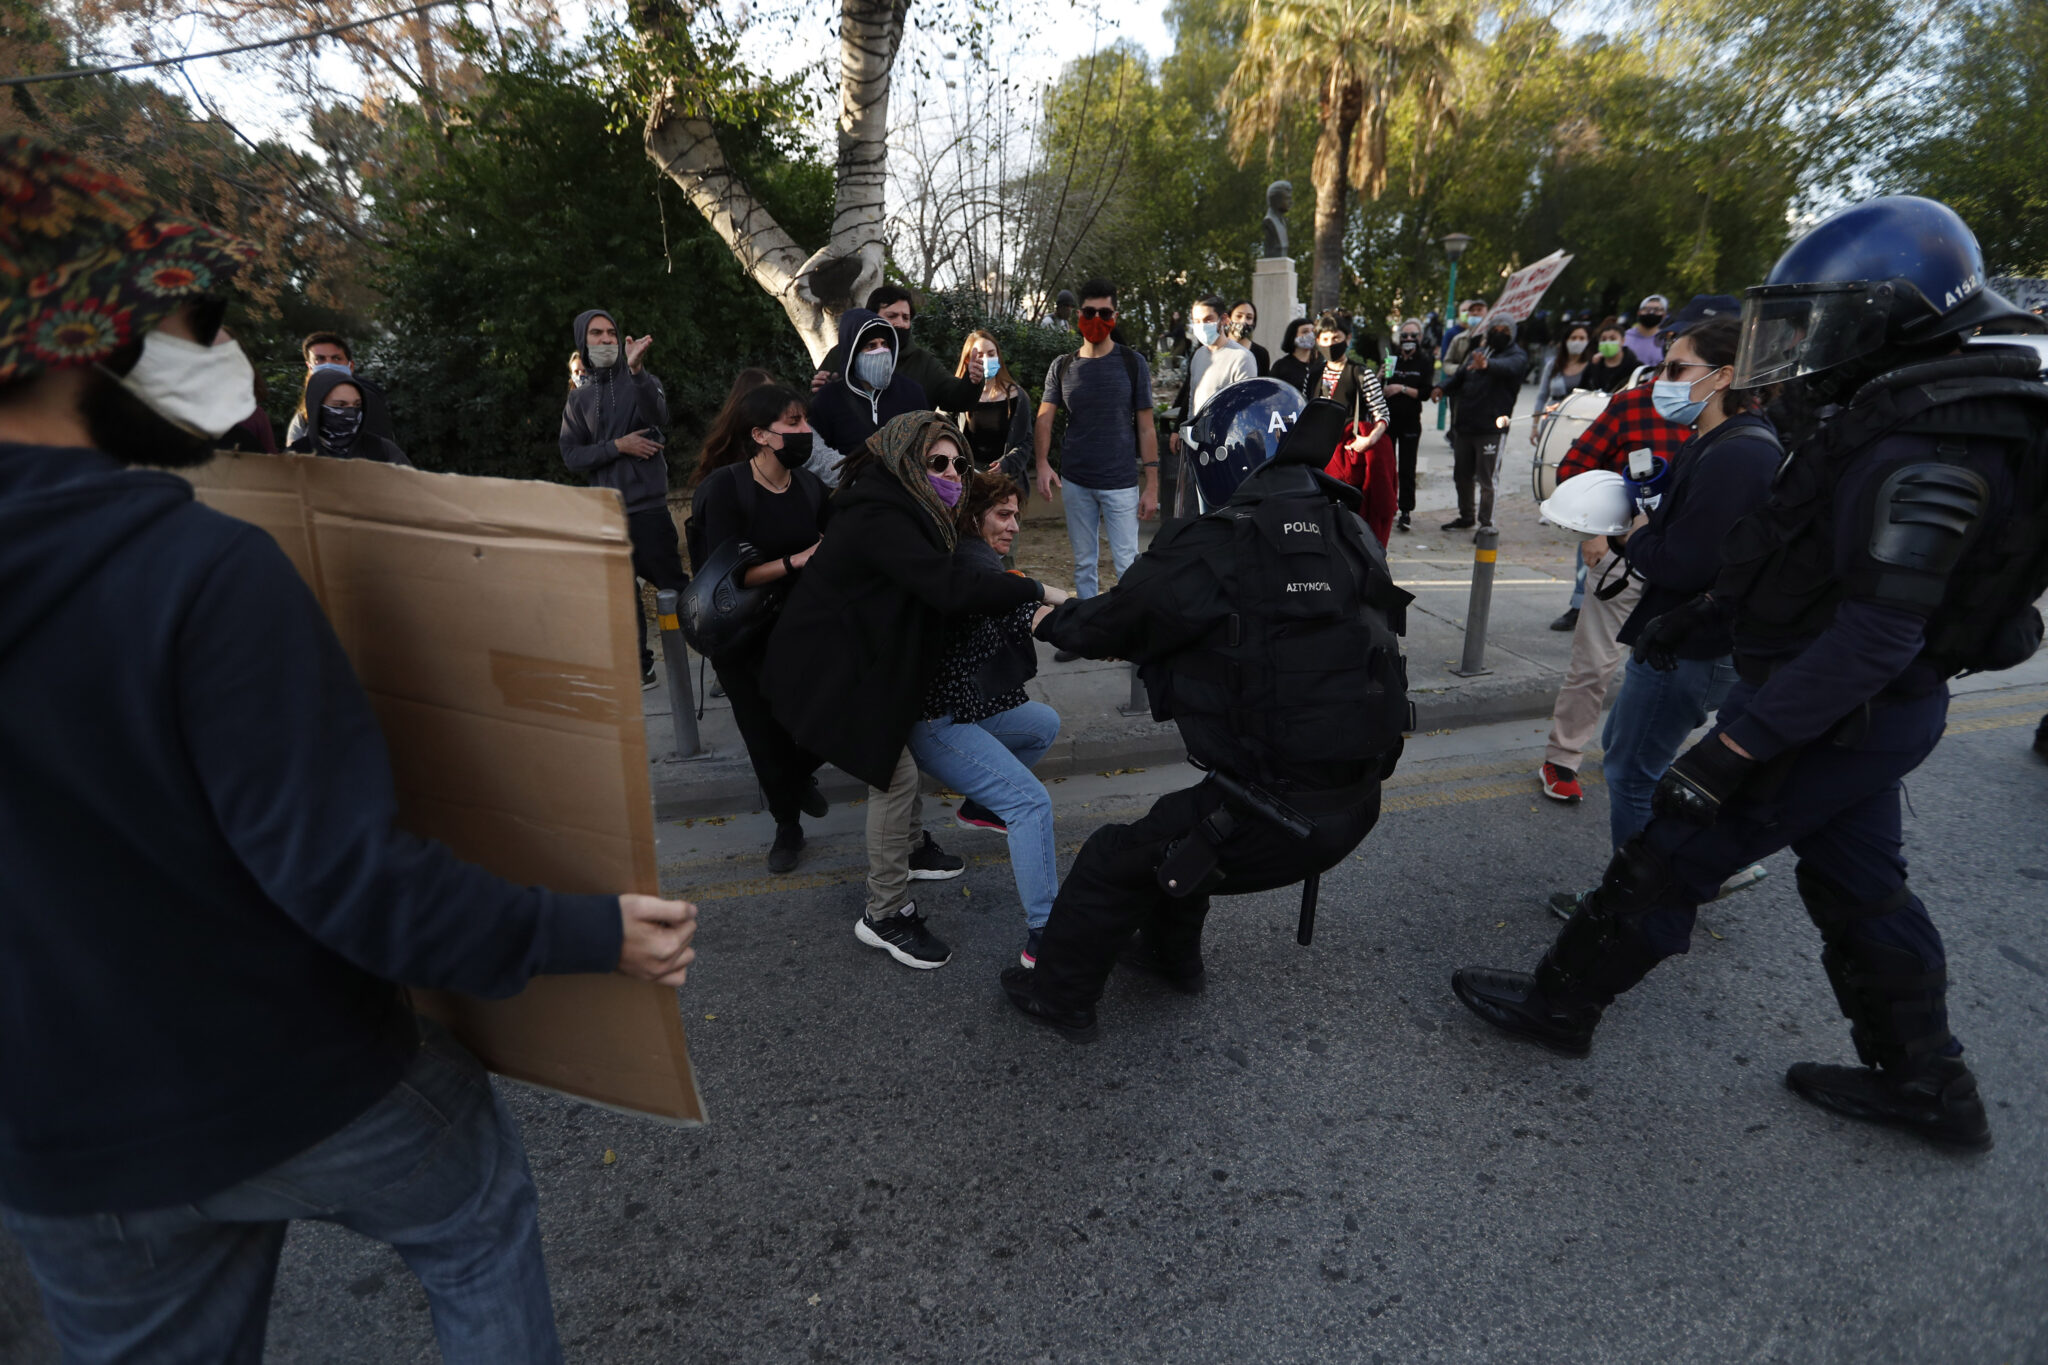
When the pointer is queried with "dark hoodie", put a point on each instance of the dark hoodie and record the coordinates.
(207, 899)
(845, 413)
(611, 403)
(367, 445)
(1480, 397)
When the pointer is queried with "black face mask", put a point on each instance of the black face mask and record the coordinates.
(1499, 341)
(1649, 320)
(1335, 350)
(796, 449)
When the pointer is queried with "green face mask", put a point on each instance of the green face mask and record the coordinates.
(1610, 349)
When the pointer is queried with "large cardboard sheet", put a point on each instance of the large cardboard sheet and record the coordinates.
(491, 622)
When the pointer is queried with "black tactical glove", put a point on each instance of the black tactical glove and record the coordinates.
(1657, 647)
(1703, 777)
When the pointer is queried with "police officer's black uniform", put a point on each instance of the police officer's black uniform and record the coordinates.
(1267, 630)
(1922, 487)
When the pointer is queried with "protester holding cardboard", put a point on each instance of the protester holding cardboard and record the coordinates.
(211, 910)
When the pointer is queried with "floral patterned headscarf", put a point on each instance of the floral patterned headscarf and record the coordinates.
(88, 264)
(902, 446)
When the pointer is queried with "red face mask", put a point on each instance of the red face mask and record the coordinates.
(1095, 331)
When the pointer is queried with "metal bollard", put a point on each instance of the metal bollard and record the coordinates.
(1486, 550)
(1140, 702)
(675, 658)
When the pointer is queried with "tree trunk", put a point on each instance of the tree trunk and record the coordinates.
(1330, 172)
(814, 288)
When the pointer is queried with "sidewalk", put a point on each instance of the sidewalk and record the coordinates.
(1532, 582)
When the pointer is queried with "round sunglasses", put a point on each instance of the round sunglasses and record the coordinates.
(960, 464)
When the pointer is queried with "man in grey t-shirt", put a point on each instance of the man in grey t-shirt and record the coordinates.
(1110, 443)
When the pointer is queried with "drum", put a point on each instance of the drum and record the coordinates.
(1560, 429)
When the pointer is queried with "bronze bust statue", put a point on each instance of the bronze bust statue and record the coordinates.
(1279, 199)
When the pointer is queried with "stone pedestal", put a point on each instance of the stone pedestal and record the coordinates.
(1273, 290)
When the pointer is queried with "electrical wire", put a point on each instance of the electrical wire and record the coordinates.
(221, 52)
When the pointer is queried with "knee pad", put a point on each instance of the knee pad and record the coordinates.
(1896, 1004)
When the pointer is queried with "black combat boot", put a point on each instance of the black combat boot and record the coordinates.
(1938, 1101)
(1076, 1026)
(1142, 956)
(1594, 958)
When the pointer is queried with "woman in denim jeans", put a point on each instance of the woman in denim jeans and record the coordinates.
(981, 734)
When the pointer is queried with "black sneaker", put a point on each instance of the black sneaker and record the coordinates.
(1064, 656)
(1939, 1102)
(789, 841)
(1076, 1026)
(1511, 1003)
(647, 678)
(904, 937)
(973, 815)
(1139, 956)
(930, 863)
(2041, 738)
(1568, 621)
(1401, 523)
(1029, 956)
(813, 802)
(1461, 524)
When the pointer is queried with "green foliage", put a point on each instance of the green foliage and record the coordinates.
(524, 208)
(1981, 144)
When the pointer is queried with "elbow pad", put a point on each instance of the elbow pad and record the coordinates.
(1923, 517)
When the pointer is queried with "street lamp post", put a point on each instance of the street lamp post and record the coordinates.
(1454, 247)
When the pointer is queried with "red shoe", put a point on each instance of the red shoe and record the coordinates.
(1561, 784)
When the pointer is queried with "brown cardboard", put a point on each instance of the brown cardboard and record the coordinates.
(491, 622)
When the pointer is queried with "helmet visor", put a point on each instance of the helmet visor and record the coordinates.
(1789, 330)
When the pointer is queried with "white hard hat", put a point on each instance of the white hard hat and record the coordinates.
(1591, 504)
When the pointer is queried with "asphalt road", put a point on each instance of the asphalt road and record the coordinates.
(1324, 1158)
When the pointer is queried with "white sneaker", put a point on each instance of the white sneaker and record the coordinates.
(1743, 880)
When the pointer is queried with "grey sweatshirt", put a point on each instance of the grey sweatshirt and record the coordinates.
(614, 403)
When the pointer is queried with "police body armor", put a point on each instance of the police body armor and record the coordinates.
(1304, 674)
(1932, 545)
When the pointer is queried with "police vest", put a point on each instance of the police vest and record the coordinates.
(1304, 671)
(1928, 543)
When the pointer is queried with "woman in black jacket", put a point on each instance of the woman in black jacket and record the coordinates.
(998, 426)
(752, 486)
(855, 650)
(343, 419)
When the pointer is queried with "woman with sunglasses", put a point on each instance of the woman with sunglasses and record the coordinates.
(998, 426)
(853, 656)
(1719, 476)
(980, 734)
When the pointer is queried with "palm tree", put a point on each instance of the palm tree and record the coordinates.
(1355, 59)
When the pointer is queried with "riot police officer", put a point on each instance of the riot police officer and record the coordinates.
(1903, 543)
(1267, 629)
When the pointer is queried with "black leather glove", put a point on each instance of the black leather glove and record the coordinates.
(1657, 647)
(1704, 776)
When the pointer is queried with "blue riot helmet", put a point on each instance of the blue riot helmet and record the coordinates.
(1898, 271)
(1237, 430)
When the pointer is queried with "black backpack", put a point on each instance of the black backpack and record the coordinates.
(1774, 567)
(1306, 669)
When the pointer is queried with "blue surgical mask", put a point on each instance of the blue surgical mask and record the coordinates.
(1204, 333)
(1674, 401)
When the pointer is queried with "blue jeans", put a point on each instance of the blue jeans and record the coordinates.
(1579, 585)
(435, 1168)
(990, 762)
(1650, 719)
(1094, 510)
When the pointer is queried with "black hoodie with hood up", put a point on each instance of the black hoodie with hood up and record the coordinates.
(611, 403)
(846, 412)
(368, 444)
(209, 908)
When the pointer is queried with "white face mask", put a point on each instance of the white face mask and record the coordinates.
(603, 354)
(1576, 346)
(204, 389)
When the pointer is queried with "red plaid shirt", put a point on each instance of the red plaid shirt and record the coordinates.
(1628, 422)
